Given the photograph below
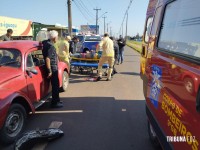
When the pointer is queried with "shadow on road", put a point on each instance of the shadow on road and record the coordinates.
(130, 73)
(96, 123)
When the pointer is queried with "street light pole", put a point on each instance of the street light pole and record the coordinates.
(126, 25)
(97, 10)
(69, 17)
(104, 24)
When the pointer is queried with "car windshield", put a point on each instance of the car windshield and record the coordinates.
(80, 38)
(10, 57)
(92, 38)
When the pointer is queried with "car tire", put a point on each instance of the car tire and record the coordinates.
(13, 124)
(65, 81)
(153, 137)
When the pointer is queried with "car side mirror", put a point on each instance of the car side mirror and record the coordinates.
(34, 71)
(31, 71)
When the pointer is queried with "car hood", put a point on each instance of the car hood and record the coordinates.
(8, 73)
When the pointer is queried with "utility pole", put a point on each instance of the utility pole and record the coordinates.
(110, 31)
(107, 27)
(97, 10)
(122, 29)
(104, 24)
(126, 25)
(69, 3)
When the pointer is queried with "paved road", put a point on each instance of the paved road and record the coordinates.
(100, 115)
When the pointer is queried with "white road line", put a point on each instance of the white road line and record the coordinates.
(57, 112)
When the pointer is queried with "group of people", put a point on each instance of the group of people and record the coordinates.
(112, 53)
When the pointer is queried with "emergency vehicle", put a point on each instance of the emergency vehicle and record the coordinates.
(171, 73)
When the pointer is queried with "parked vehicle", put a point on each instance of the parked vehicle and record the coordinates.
(171, 74)
(23, 85)
(89, 42)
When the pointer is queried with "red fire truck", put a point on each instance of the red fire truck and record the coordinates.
(170, 69)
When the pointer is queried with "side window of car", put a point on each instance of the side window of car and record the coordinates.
(148, 29)
(29, 62)
(180, 28)
(38, 58)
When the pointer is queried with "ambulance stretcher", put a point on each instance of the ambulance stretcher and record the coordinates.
(88, 64)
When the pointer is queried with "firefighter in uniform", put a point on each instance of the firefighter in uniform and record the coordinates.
(107, 46)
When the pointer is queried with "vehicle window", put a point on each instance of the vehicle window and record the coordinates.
(148, 29)
(10, 57)
(180, 28)
(38, 58)
(81, 38)
(156, 21)
(92, 38)
(29, 62)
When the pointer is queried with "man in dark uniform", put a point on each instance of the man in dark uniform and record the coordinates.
(51, 61)
(116, 49)
(121, 43)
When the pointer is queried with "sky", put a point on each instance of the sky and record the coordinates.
(52, 12)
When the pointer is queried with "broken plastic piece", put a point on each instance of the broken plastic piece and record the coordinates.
(29, 139)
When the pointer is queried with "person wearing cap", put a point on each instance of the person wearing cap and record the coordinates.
(107, 46)
(51, 62)
(63, 52)
(7, 36)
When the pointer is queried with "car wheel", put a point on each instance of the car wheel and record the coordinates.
(153, 136)
(65, 81)
(13, 124)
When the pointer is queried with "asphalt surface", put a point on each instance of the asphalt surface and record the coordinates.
(104, 115)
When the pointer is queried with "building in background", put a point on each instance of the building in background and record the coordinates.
(88, 29)
(21, 28)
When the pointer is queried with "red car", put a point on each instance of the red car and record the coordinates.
(23, 84)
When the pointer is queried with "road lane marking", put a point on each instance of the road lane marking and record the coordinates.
(42, 146)
(59, 112)
(123, 110)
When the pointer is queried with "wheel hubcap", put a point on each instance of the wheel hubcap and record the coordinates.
(14, 123)
(65, 84)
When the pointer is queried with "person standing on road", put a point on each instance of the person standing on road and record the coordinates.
(73, 45)
(106, 45)
(116, 50)
(64, 50)
(7, 36)
(51, 61)
(121, 43)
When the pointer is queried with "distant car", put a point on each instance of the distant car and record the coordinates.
(89, 42)
(23, 85)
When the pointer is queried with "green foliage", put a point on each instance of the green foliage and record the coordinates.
(135, 45)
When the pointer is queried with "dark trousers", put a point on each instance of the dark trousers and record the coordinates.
(55, 87)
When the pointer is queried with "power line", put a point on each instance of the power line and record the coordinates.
(91, 3)
(81, 11)
(86, 9)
